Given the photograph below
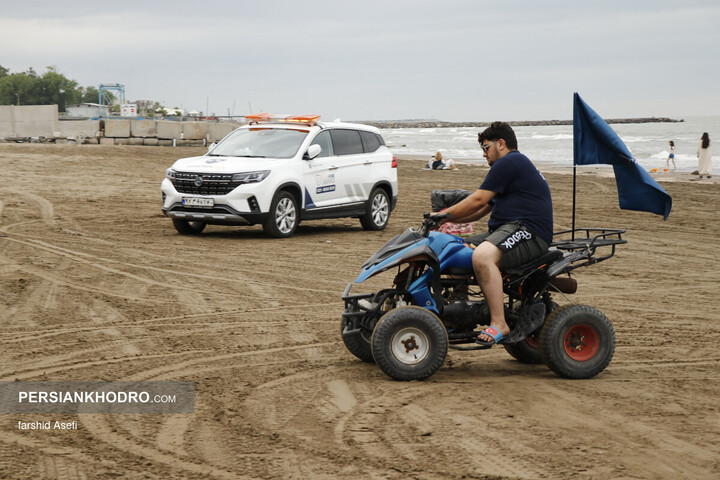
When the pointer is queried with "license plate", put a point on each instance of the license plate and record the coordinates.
(198, 202)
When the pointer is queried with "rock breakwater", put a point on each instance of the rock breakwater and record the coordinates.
(443, 124)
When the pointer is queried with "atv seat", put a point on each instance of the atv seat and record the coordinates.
(548, 257)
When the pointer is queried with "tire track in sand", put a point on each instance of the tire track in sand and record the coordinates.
(172, 435)
(45, 208)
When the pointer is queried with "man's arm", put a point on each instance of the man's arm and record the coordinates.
(473, 207)
(475, 216)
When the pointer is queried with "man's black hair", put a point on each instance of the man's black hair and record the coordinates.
(498, 130)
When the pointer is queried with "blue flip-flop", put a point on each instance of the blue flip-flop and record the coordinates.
(491, 332)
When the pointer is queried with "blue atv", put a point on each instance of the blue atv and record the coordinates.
(435, 304)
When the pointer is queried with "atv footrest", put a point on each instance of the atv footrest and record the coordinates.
(475, 347)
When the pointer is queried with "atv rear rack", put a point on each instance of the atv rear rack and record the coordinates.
(581, 247)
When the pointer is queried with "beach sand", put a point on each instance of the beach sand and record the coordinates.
(97, 285)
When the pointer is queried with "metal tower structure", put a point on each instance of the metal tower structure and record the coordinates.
(104, 98)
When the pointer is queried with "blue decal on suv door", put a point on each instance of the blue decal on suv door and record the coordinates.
(325, 189)
(308, 200)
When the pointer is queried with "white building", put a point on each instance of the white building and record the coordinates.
(91, 110)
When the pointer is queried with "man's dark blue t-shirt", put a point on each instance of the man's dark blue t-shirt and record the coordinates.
(521, 193)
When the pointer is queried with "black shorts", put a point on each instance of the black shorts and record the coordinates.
(518, 244)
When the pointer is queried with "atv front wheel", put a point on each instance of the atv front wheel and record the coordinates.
(577, 341)
(357, 342)
(409, 343)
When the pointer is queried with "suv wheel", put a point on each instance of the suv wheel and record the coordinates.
(284, 217)
(186, 227)
(378, 211)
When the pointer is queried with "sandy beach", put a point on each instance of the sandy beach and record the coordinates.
(97, 285)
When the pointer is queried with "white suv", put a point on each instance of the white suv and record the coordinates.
(277, 171)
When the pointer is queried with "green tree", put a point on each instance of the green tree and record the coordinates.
(29, 88)
(55, 88)
(16, 89)
(159, 109)
(90, 95)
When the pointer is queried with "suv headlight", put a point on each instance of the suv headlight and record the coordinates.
(171, 174)
(250, 177)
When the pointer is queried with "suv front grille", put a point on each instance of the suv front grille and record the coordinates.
(211, 184)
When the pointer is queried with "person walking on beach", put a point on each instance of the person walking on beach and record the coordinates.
(671, 157)
(517, 197)
(704, 158)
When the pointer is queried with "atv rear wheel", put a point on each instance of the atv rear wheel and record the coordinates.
(528, 350)
(409, 343)
(525, 351)
(577, 341)
(357, 342)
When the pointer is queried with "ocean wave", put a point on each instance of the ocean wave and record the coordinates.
(558, 136)
(553, 144)
(627, 139)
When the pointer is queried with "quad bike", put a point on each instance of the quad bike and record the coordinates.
(435, 304)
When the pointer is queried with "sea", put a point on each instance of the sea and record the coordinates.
(553, 144)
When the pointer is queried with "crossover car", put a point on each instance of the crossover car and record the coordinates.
(279, 170)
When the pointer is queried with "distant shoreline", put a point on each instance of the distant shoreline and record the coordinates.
(523, 123)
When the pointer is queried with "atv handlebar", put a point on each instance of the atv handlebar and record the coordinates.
(432, 222)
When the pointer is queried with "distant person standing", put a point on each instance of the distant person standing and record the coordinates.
(704, 158)
(671, 157)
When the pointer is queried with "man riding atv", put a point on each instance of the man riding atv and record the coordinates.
(520, 227)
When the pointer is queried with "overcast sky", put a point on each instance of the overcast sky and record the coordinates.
(454, 60)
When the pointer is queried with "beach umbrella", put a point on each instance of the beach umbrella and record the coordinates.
(594, 142)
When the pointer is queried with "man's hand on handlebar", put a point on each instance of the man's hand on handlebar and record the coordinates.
(435, 219)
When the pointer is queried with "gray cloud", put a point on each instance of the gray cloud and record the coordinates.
(453, 60)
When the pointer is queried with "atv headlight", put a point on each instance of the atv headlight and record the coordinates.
(250, 177)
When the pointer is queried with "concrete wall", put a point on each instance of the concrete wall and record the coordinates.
(28, 121)
(194, 130)
(79, 128)
(117, 128)
(169, 130)
(218, 131)
(7, 125)
(143, 128)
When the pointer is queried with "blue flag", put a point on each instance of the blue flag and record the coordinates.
(595, 142)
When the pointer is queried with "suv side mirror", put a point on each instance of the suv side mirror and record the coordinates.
(312, 152)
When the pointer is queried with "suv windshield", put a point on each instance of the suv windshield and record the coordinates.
(261, 142)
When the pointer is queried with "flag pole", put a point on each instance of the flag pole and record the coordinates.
(573, 207)
(575, 155)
